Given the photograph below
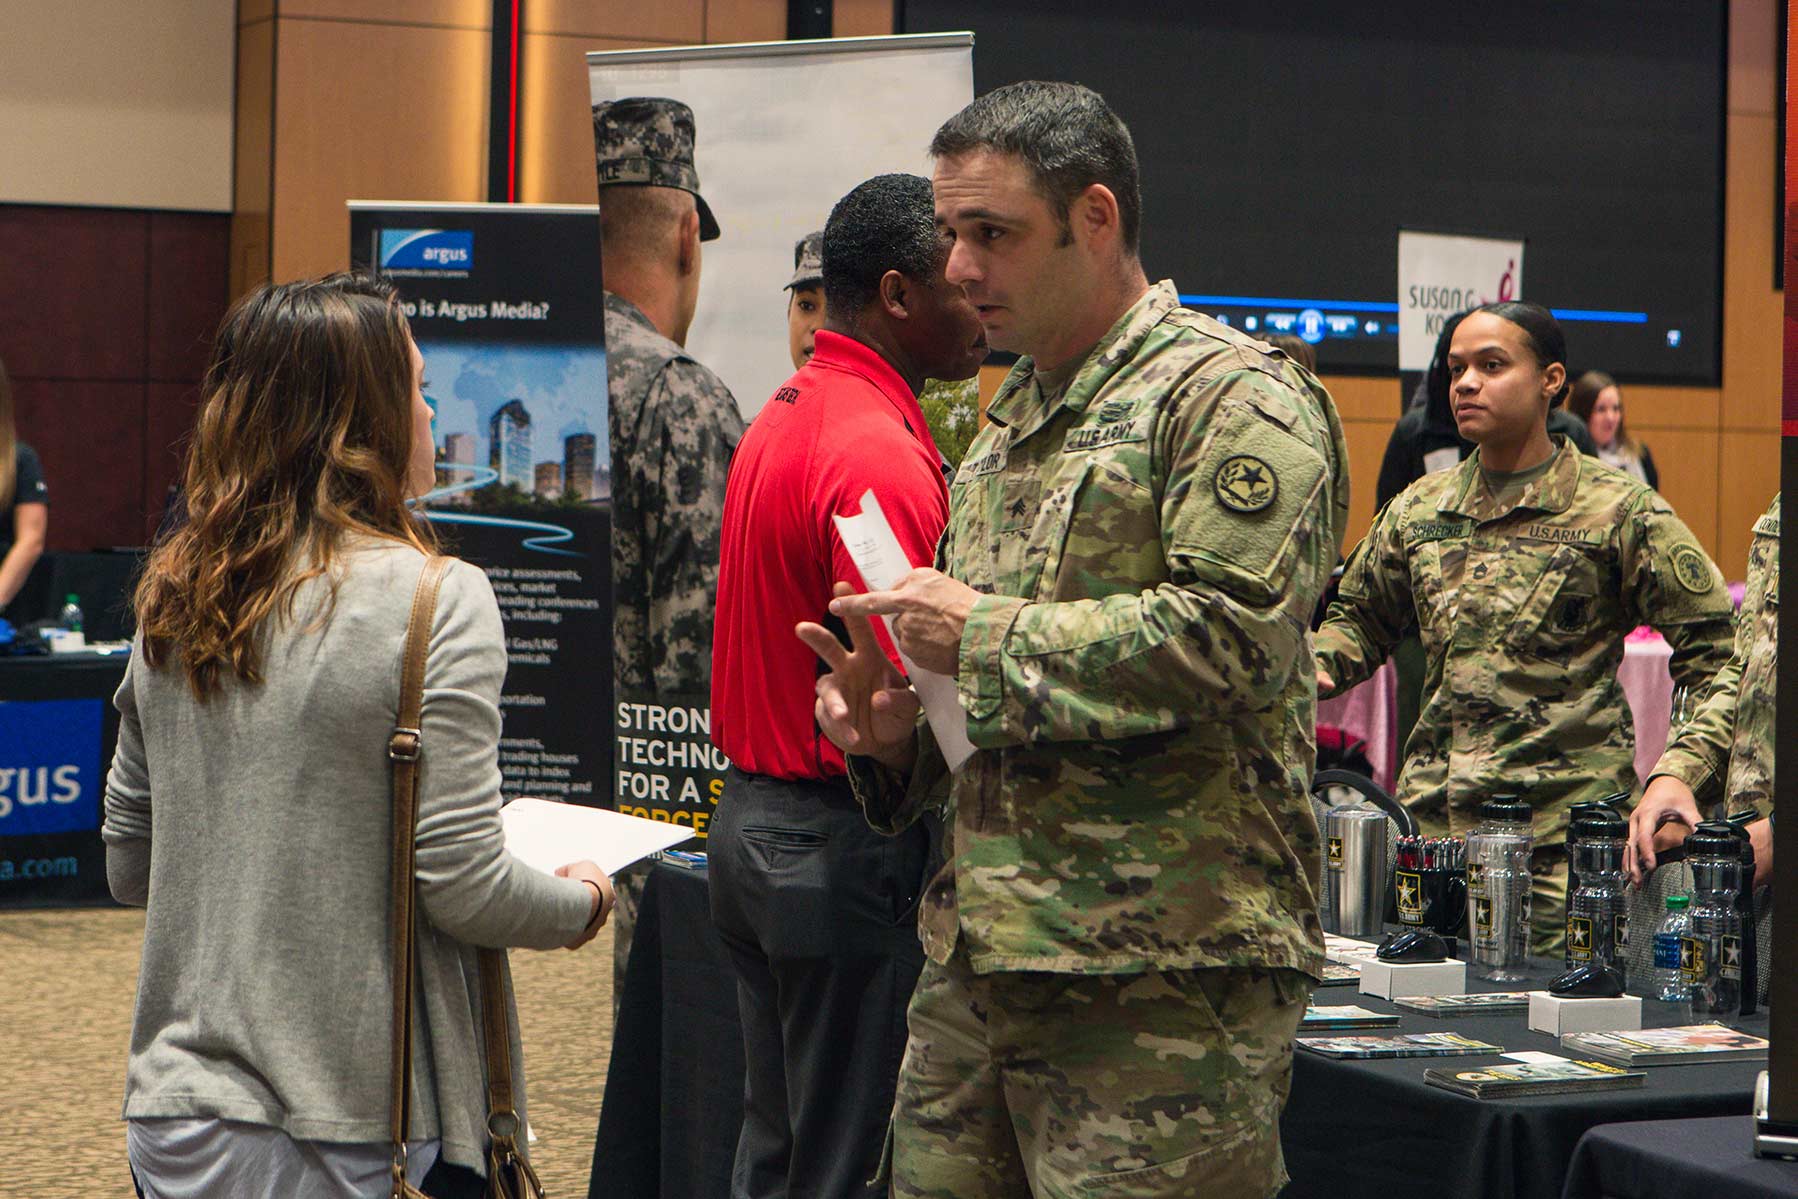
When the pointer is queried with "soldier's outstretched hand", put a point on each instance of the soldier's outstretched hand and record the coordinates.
(864, 705)
(929, 610)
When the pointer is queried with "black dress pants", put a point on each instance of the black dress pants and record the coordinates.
(819, 914)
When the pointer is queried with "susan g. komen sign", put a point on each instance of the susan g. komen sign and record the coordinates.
(1440, 275)
(49, 766)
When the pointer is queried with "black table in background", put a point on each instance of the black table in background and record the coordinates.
(1676, 1159)
(673, 1100)
(63, 869)
(674, 1090)
(1375, 1130)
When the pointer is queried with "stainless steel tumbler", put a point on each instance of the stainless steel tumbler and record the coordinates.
(1355, 874)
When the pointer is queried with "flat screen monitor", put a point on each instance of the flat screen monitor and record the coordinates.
(1284, 146)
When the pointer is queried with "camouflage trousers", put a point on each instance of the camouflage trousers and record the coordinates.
(1548, 901)
(1059, 1085)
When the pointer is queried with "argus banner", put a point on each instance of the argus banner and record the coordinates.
(513, 338)
(1440, 275)
(52, 754)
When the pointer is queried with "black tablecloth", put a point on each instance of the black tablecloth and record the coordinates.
(1374, 1129)
(674, 1090)
(62, 868)
(674, 1099)
(1676, 1159)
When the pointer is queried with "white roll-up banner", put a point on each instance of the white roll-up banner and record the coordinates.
(1442, 274)
(784, 130)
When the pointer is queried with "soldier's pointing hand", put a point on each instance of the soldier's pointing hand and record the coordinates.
(929, 611)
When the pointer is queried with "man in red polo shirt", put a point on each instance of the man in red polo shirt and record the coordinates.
(816, 908)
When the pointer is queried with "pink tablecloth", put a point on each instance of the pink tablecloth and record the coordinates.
(1369, 711)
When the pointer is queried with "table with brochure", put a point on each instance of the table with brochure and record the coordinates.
(1374, 1127)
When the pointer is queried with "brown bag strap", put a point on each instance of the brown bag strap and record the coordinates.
(403, 749)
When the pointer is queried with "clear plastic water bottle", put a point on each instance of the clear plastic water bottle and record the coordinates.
(1712, 951)
(1597, 915)
(1498, 890)
(70, 617)
(1669, 984)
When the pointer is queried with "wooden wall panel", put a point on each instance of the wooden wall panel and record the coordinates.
(89, 435)
(371, 112)
(73, 304)
(1749, 474)
(862, 18)
(615, 20)
(1649, 407)
(169, 412)
(252, 186)
(745, 20)
(555, 119)
(188, 266)
(121, 309)
(463, 14)
(1753, 312)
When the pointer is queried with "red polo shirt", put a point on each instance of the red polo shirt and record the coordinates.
(843, 424)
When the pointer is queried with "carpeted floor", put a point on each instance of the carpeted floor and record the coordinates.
(66, 984)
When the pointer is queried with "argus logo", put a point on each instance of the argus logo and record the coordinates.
(49, 766)
(431, 251)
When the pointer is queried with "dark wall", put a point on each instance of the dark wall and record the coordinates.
(106, 319)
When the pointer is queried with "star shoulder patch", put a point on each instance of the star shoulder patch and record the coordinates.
(1245, 484)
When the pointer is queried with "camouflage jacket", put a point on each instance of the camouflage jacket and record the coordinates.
(1136, 674)
(673, 426)
(1523, 611)
(1730, 736)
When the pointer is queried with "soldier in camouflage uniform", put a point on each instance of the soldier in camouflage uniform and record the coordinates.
(1120, 941)
(805, 299)
(1524, 569)
(1725, 751)
(673, 423)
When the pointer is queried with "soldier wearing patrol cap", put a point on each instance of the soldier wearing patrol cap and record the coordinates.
(1524, 568)
(1122, 941)
(805, 304)
(673, 423)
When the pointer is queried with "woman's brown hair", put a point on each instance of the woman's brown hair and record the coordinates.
(304, 436)
(9, 442)
(1585, 398)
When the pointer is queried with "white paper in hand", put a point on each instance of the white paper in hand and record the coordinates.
(877, 554)
(545, 834)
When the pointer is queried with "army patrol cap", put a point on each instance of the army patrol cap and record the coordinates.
(648, 140)
(808, 261)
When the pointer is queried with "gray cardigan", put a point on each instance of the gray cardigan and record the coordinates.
(255, 827)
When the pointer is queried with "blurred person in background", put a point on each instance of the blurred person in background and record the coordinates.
(1597, 401)
(24, 504)
(1295, 348)
(805, 299)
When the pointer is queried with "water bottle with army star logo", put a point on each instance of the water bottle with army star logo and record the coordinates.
(1498, 890)
(1597, 915)
(1711, 953)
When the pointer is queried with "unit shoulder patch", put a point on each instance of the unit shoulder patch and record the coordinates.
(1246, 484)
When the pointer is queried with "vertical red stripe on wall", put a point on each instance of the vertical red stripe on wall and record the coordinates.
(512, 116)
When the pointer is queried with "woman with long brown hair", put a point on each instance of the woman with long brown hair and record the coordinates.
(249, 801)
(1598, 401)
(24, 502)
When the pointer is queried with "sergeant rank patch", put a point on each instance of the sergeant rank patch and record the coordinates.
(1690, 568)
(1245, 484)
